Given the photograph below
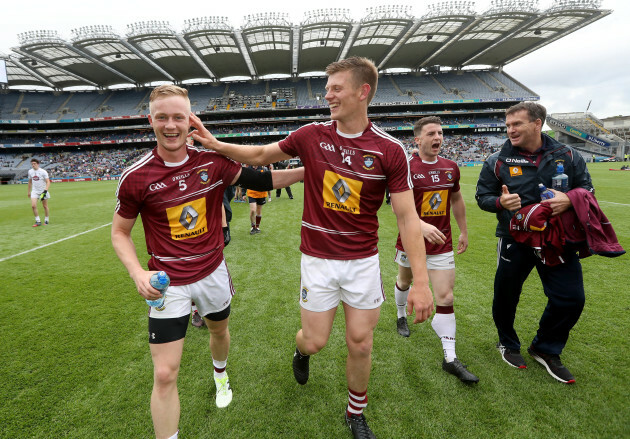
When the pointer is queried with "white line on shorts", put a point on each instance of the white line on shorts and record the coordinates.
(56, 242)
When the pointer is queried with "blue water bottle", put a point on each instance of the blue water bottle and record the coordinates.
(560, 181)
(160, 281)
(545, 193)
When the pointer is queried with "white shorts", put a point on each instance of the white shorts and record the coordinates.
(325, 282)
(444, 261)
(36, 194)
(211, 294)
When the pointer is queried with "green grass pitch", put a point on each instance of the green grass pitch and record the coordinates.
(74, 360)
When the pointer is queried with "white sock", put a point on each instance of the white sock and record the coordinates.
(444, 326)
(37, 219)
(401, 301)
(46, 218)
(219, 365)
(175, 435)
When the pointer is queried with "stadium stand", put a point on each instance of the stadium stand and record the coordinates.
(90, 131)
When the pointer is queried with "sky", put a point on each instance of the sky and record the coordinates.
(589, 66)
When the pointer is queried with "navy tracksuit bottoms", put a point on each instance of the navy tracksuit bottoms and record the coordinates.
(563, 285)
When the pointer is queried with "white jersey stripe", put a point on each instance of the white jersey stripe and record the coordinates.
(349, 171)
(332, 232)
(383, 134)
(194, 194)
(143, 161)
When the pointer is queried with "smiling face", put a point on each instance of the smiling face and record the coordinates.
(429, 141)
(345, 98)
(170, 119)
(522, 132)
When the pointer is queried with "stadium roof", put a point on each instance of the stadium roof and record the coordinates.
(450, 34)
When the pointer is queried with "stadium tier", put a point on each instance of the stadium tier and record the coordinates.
(251, 85)
(401, 89)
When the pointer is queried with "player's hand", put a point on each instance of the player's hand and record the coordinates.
(226, 236)
(559, 203)
(420, 300)
(142, 279)
(201, 134)
(462, 243)
(432, 234)
(43, 195)
(509, 201)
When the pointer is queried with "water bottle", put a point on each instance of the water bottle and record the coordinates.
(160, 281)
(545, 193)
(560, 181)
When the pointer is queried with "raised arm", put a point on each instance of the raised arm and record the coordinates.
(420, 297)
(249, 154)
(265, 181)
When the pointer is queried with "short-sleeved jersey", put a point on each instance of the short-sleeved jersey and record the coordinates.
(344, 184)
(38, 178)
(433, 185)
(180, 205)
(257, 194)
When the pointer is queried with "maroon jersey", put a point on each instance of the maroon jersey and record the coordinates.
(180, 205)
(433, 184)
(344, 185)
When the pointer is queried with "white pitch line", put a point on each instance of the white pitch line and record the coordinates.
(56, 242)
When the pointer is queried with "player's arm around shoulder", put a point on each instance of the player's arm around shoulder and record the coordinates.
(420, 297)
(249, 154)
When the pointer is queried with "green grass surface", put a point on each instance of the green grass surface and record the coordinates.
(75, 362)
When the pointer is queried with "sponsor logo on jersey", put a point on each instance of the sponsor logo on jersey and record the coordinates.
(417, 176)
(368, 162)
(327, 146)
(515, 171)
(188, 220)
(304, 294)
(203, 175)
(516, 161)
(181, 177)
(449, 175)
(341, 193)
(157, 186)
(434, 203)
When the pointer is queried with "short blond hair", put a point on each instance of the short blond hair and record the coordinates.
(363, 72)
(165, 91)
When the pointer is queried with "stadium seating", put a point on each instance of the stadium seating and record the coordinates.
(288, 93)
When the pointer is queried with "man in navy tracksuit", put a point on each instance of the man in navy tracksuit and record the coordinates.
(509, 180)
